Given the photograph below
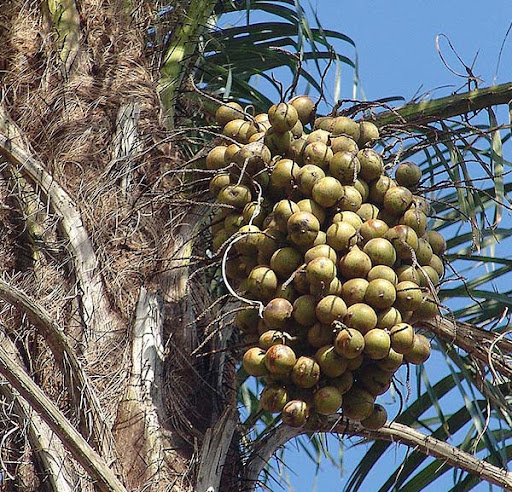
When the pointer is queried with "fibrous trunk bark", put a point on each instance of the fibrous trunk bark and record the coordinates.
(96, 261)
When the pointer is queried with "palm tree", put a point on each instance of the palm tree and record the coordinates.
(118, 352)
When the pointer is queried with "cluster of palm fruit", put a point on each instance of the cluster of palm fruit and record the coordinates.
(337, 252)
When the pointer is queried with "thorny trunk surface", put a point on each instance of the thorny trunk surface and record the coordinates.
(97, 306)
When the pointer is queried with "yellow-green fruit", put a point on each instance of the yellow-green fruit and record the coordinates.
(247, 321)
(344, 144)
(318, 135)
(341, 125)
(278, 143)
(380, 294)
(351, 199)
(270, 241)
(368, 211)
(215, 158)
(320, 290)
(330, 308)
(255, 213)
(397, 200)
(391, 362)
(285, 261)
(364, 189)
(372, 165)
(309, 205)
(254, 362)
(249, 238)
(319, 335)
(368, 133)
(280, 359)
(287, 292)
(408, 296)
(270, 337)
(322, 250)
(408, 174)
(239, 130)
(231, 151)
(252, 157)
(282, 211)
(354, 290)
(262, 121)
(341, 236)
(377, 419)
(304, 310)
(327, 400)
(218, 182)
(307, 176)
(262, 282)
(349, 217)
(345, 167)
(357, 404)
(373, 228)
(429, 278)
(327, 192)
(227, 112)
(303, 228)
(402, 337)
(305, 372)
(404, 240)
(376, 344)
(420, 350)
(300, 282)
(273, 398)
(320, 271)
(318, 154)
(297, 130)
(295, 413)
(355, 263)
(331, 363)
(374, 380)
(277, 312)
(284, 175)
(380, 251)
(296, 150)
(233, 222)
(323, 123)
(437, 264)
(428, 309)
(409, 273)
(283, 117)
(379, 188)
(437, 242)
(235, 195)
(387, 318)
(382, 271)
(424, 252)
(361, 317)
(421, 203)
(415, 219)
(305, 108)
(349, 343)
(343, 382)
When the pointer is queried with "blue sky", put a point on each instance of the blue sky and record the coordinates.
(397, 54)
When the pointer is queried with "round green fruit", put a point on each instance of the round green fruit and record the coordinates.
(327, 400)
(280, 359)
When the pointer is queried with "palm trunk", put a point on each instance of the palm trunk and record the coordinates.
(102, 285)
